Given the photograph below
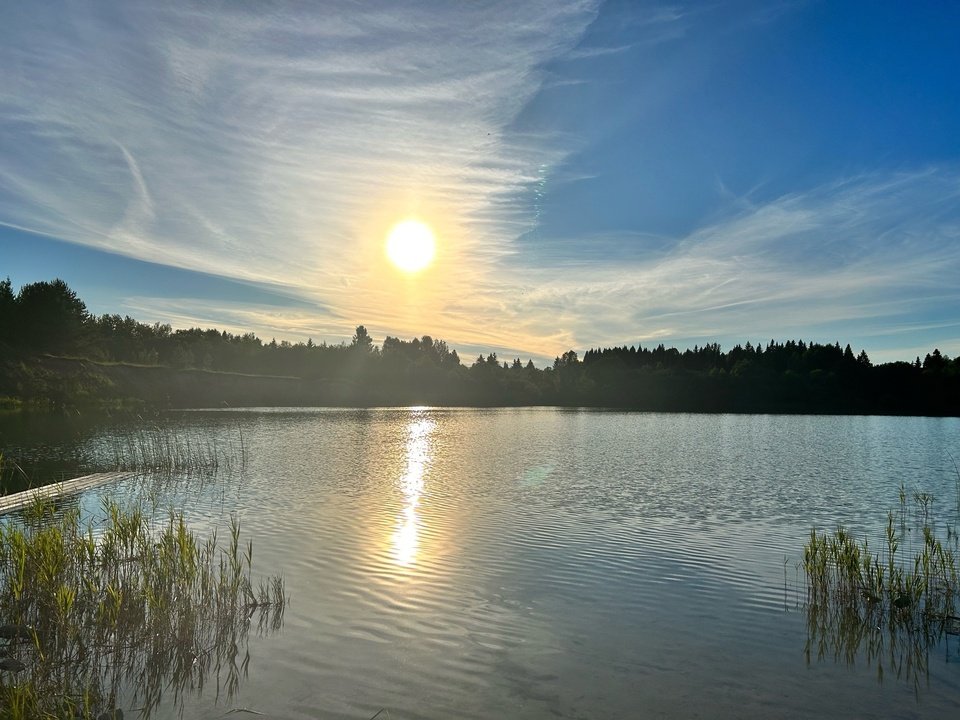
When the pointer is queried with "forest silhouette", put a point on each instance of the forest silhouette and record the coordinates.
(56, 353)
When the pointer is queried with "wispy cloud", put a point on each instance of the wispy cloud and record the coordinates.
(276, 146)
(865, 254)
(266, 321)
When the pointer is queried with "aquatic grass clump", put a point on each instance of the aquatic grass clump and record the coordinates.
(98, 616)
(895, 603)
(11, 474)
(843, 571)
(169, 452)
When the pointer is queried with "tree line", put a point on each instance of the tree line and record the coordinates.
(45, 319)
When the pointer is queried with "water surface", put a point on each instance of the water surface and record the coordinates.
(541, 563)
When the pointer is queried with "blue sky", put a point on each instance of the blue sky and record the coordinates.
(596, 173)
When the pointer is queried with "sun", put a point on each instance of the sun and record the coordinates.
(411, 245)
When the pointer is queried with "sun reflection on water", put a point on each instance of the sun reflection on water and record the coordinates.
(406, 536)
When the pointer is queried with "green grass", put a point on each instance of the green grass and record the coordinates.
(128, 611)
(10, 404)
(893, 583)
(894, 603)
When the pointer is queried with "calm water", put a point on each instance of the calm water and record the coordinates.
(544, 563)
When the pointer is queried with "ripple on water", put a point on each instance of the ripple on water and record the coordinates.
(541, 563)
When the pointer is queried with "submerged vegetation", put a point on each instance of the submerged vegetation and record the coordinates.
(893, 604)
(54, 353)
(101, 616)
(162, 452)
(165, 451)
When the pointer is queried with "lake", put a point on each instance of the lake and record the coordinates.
(542, 563)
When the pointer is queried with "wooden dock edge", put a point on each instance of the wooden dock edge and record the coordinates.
(16, 501)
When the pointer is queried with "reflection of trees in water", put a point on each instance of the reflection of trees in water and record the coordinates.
(133, 613)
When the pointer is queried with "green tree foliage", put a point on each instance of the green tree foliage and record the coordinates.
(49, 317)
(8, 305)
(791, 376)
(361, 340)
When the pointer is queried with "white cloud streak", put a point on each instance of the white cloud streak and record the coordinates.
(867, 255)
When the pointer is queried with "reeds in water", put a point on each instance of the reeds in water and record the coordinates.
(169, 452)
(844, 571)
(11, 474)
(128, 611)
(904, 596)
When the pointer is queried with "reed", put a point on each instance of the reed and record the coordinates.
(127, 610)
(173, 452)
(891, 605)
(923, 582)
(11, 474)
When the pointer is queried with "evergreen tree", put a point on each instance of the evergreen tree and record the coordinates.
(50, 317)
(362, 340)
(8, 307)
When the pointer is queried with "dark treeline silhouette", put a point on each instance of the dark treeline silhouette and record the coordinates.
(55, 351)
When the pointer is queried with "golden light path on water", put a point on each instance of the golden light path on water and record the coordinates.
(418, 455)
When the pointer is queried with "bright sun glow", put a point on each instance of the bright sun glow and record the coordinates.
(410, 245)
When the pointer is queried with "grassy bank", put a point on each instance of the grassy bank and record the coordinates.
(51, 382)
